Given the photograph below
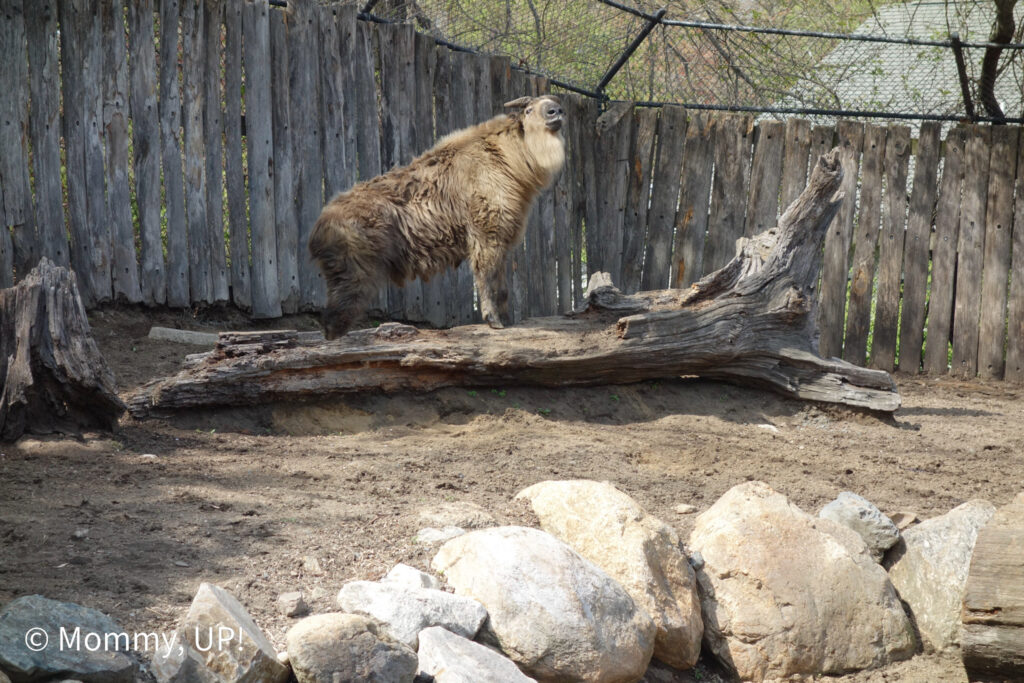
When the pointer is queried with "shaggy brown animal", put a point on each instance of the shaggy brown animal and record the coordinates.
(467, 197)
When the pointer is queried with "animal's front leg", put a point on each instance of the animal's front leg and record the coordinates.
(489, 273)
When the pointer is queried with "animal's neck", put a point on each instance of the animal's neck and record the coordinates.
(547, 153)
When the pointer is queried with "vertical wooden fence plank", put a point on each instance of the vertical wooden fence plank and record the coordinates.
(397, 79)
(835, 269)
(193, 52)
(124, 266)
(445, 282)
(213, 122)
(661, 220)
(332, 101)
(346, 20)
(858, 314)
(146, 143)
(519, 274)
(6, 255)
(238, 222)
(915, 260)
(303, 64)
(432, 295)
(96, 203)
(567, 217)
(534, 262)
(947, 227)
(823, 139)
(545, 279)
(266, 299)
(463, 86)
(14, 173)
(694, 200)
(72, 37)
(44, 127)
(170, 145)
(286, 210)
(890, 249)
(765, 177)
(368, 125)
(729, 189)
(998, 227)
(615, 134)
(638, 192)
(412, 292)
(1015, 305)
(587, 145)
(368, 143)
(794, 161)
(970, 253)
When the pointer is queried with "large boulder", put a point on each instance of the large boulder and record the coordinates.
(453, 659)
(785, 593)
(219, 641)
(931, 566)
(405, 611)
(42, 638)
(554, 613)
(878, 532)
(325, 648)
(638, 550)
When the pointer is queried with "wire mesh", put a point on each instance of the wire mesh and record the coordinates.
(882, 59)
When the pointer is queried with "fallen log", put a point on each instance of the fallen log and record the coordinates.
(993, 610)
(52, 376)
(753, 322)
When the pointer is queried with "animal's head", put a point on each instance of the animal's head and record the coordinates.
(538, 113)
(541, 119)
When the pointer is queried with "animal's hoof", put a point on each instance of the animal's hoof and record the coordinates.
(494, 322)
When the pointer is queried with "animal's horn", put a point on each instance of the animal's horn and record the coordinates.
(519, 103)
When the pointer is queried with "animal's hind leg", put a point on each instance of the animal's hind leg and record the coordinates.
(489, 273)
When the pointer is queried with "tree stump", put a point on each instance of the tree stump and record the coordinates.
(52, 376)
(993, 614)
(753, 322)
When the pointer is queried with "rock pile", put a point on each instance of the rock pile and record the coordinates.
(769, 590)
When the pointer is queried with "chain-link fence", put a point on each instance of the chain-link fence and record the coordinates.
(864, 57)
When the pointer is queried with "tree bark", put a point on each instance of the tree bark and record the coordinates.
(52, 376)
(1002, 32)
(753, 323)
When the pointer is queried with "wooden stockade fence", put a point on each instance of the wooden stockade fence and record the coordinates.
(177, 152)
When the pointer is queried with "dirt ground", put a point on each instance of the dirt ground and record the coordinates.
(132, 522)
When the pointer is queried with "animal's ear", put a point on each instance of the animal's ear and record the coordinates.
(519, 103)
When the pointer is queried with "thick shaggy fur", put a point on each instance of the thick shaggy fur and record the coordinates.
(467, 197)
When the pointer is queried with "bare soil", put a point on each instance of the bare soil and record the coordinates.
(248, 498)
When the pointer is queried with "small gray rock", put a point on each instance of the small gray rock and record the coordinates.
(453, 659)
(325, 648)
(405, 575)
(858, 513)
(406, 611)
(292, 604)
(35, 634)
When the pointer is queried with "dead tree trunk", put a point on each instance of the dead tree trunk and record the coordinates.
(52, 376)
(752, 322)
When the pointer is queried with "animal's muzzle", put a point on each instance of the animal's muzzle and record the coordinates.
(554, 120)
